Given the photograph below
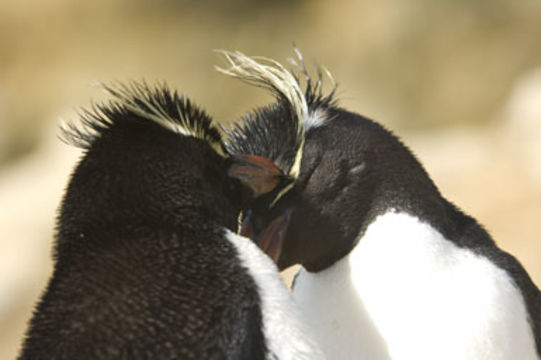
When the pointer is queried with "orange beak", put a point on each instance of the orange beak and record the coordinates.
(258, 173)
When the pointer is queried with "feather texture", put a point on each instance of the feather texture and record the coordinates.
(158, 104)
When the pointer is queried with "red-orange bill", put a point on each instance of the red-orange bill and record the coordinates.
(256, 172)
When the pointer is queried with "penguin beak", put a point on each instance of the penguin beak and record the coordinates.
(258, 173)
(271, 239)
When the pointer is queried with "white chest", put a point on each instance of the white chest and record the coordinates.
(405, 292)
(286, 335)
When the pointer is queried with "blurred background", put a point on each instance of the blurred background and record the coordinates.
(459, 81)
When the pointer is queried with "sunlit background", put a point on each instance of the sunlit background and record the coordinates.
(459, 81)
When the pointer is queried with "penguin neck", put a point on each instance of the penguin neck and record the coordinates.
(405, 291)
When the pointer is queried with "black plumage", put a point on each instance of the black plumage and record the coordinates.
(353, 170)
(253, 135)
(273, 131)
(142, 269)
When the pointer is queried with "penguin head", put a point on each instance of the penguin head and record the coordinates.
(151, 155)
(314, 219)
(349, 170)
(269, 147)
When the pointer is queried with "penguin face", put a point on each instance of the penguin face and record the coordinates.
(319, 219)
(352, 170)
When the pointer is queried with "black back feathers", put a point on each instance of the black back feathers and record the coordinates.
(142, 266)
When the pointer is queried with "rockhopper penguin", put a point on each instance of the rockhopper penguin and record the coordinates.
(390, 268)
(147, 264)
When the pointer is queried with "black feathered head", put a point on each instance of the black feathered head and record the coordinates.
(138, 101)
(268, 144)
(149, 153)
(275, 132)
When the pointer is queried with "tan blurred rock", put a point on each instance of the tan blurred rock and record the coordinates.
(479, 171)
(30, 192)
(523, 123)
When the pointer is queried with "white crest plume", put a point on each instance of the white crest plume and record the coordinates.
(160, 105)
(270, 74)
